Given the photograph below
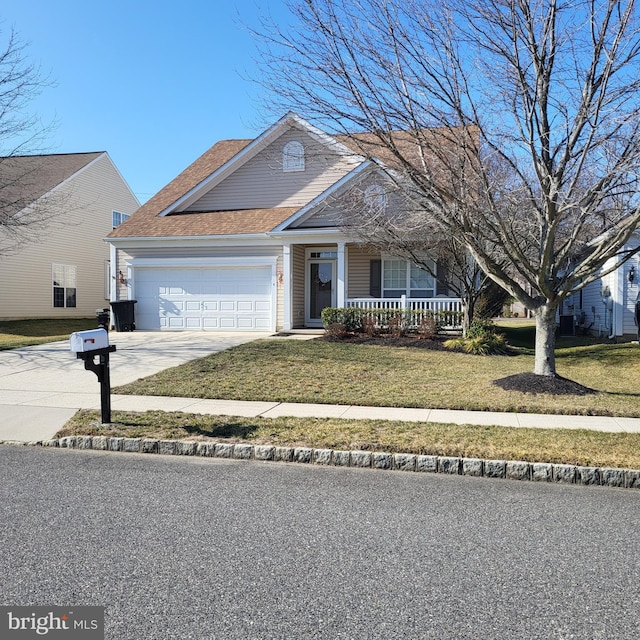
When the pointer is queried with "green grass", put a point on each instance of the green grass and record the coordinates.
(24, 333)
(374, 375)
(564, 446)
(335, 372)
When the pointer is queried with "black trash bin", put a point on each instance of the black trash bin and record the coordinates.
(124, 315)
(103, 316)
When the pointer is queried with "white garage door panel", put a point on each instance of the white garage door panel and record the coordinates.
(208, 298)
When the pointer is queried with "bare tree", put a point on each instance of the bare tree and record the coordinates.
(379, 215)
(521, 123)
(23, 212)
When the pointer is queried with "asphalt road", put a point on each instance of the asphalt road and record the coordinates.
(206, 548)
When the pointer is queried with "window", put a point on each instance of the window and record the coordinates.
(64, 285)
(375, 199)
(118, 218)
(293, 156)
(394, 278)
(403, 278)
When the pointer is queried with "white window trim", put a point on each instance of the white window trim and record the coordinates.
(64, 285)
(407, 289)
(122, 217)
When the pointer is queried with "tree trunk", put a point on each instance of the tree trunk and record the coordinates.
(545, 359)
(467, 314)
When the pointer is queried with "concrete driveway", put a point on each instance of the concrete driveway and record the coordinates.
(41, 387)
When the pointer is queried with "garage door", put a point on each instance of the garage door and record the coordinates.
(210, 299)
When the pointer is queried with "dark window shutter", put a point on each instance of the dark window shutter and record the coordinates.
(375, 278)
(441, 279)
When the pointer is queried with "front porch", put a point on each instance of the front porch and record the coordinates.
(448, 309)
(346, 274)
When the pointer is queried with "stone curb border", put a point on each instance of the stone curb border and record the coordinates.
(506, 469)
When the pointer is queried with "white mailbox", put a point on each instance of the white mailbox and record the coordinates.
(83, 341)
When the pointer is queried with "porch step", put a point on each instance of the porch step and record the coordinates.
(299, 333)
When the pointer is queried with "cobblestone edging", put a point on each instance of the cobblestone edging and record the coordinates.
(508, 469)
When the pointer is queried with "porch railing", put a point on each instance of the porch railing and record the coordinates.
(449, 309)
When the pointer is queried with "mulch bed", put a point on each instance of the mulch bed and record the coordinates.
(435, 343)
(532, 383)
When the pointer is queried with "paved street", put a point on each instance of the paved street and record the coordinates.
(210, 548)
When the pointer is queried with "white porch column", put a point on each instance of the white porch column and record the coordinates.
(113, 272)
(342, 270)
(287, 287)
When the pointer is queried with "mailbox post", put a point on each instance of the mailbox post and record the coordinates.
(87, 345)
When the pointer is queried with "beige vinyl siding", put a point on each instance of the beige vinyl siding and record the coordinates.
(335, 213)
(168, 252)
(122, 264)
(75, 237)
(261, 183)
(358, 276)
(327, 217)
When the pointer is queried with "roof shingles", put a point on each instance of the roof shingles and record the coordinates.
(211, 223)
(146, 221)
(24, 179)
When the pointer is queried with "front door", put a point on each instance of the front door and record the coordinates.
(321, 290)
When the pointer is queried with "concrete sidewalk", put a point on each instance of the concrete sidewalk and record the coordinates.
(38, 416)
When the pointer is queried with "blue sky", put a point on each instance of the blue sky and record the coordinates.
(153, 83)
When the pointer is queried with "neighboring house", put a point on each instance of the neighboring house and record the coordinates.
(607, 306)
(249, 238)
(62, 269)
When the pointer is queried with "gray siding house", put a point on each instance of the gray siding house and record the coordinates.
(606, 307)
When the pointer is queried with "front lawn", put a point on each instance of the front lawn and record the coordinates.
(363, 374)
(319, 371)
(24, 333)
(563, 446)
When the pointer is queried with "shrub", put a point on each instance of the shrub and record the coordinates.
(481, 327)
(428, 328)
(482, 339)
(397, 325)
(337, 330)
(397, 322)
(369, 327)
(351, 318)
